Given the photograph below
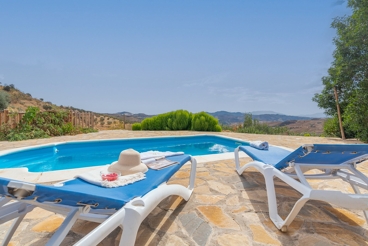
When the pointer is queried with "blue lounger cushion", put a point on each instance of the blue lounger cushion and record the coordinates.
(78, 191)
(272, 156)
(320, 154)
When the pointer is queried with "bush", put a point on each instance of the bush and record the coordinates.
(4, 100)
(8, 87)
(36, 124)
(136, 127)
(356, 117)
(205, 122)
(146, 124)
(181, 120)
(331, 127)
(251, 125)
(47, 107)
(175, 120)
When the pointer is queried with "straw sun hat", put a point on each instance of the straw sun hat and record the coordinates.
(129, 162)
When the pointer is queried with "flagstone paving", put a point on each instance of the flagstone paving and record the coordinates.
(225, 209)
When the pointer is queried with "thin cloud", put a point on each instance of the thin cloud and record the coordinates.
(338, 3)
(246, 95)
(205, 81)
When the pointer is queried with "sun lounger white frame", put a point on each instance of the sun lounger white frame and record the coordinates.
(129, 217)
(347, 200)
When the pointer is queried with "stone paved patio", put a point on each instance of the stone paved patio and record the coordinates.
(225, 208)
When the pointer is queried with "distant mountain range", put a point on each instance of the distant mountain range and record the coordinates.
(229, 118)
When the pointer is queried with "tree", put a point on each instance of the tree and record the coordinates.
(248, 120)
(349, 72)
(4, 100)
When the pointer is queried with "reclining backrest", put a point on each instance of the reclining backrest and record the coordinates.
(326, 154)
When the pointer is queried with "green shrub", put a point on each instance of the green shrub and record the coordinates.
(181, 120)
(136, 127)
(47, 107)
(355, 117)
(146, 124)
(36, 124)
(331, 127)
(67, 128)
(8, 87)
(4, 100)
(251, 125)
(205, 122)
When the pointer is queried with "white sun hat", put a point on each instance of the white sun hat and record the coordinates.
(129, 162)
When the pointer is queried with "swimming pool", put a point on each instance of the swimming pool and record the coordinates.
(69, 155)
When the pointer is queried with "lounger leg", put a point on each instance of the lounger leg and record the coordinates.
(294, 212)
(132, 221)
(3, 201)
(13, 211)
(192, 173)
(63, 230)
(103, 230)
(271, 194)
(239, 169)
(357, 191)
(12, 229)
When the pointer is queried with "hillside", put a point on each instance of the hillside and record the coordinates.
(20, 101)
(230, 118)
(129, 117)
(313, 126)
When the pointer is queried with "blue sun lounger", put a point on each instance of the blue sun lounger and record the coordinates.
(334, 161)
(124, 206)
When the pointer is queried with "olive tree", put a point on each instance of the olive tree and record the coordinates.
(349, 72)
(4, 100)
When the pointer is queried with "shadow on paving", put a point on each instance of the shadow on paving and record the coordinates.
(317, 221)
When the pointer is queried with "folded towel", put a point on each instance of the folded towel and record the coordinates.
(149, 160)
(94, 177)
(262, 145)
(158, 154)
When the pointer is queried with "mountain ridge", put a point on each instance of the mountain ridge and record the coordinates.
(224, 117)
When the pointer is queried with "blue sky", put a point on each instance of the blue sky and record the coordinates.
(157, 56)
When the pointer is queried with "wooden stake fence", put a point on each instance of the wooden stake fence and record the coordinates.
(78, 119)
(82, 119)
(12, 119)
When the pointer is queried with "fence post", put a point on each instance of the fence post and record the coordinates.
(6, 116)
(74, 118)
(92, 120)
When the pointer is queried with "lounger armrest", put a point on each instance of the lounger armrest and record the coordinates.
(350, 201)
(20, 189)
(21, 185)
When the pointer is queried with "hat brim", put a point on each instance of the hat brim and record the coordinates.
(126, 170)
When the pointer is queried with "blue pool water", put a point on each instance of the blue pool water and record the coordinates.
(94, 153)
